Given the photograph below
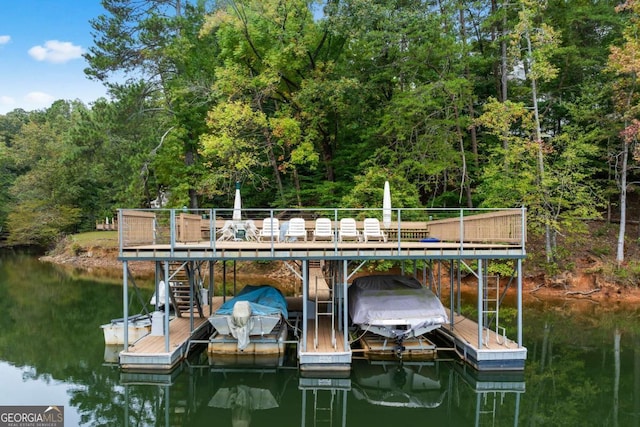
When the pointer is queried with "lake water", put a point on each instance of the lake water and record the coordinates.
(583, 369)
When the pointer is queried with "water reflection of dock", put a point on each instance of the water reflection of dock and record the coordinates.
(445, 391)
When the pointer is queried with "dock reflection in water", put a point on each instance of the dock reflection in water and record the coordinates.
(374, 394)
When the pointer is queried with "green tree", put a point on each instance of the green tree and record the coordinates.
(10, 126)
(269, 50)
(157, 42)
(43, 207)
(623, 62)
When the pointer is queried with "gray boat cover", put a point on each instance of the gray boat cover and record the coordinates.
(382, 299)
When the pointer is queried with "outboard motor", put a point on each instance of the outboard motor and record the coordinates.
(241, 323)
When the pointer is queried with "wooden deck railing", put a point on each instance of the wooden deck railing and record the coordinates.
(140, 227)
(500, 226)
(107, 226)
(189, 227)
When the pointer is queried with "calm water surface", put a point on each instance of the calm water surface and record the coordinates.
(583, 369)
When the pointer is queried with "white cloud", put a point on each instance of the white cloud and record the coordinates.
(56, 51)
(39, 99)
(7, 100)
(5, 39)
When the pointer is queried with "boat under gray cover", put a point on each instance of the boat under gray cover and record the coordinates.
(394, 306)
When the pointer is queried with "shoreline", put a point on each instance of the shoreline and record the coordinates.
(567, 287)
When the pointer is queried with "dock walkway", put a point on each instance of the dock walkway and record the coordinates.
(149, 352)
(495, 352)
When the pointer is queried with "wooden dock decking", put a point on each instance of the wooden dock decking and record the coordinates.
(149, 352)
(324, 357)
(498, 352)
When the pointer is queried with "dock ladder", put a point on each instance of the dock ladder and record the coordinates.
(323, 401)
(486, 407)
(324, 301)
(491, 307)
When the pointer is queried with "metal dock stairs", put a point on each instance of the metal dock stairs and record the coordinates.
(183, 291)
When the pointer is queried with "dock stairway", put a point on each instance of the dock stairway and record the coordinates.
(183, 293)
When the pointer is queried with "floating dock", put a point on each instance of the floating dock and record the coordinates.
(150, 352)
(185, 247)
(484, 350)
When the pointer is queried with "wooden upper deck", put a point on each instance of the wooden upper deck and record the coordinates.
(164, 234)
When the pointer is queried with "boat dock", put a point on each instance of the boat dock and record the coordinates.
(151, 352)
(436, 245)
(489, 351)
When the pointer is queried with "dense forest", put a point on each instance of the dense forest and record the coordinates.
(458, 103)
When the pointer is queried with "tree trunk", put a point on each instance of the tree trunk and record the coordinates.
(539, 142)
(189, 160)
(327, 157)
(472, 114)
(623, 204)
(503, 54)
(274, 164)
(296, 180)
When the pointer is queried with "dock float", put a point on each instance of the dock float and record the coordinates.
(496, 352)
(148, 353)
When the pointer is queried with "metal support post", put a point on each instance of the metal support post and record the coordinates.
(480, 294)
(167, 306)
(125, 304)
(519, 303)
(305, 310)
(345, 318)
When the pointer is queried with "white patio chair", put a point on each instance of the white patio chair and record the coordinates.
(297, 230)
(270, 229)
(323, 230)
(252, 230)
(372, 230)
(348, 230)
(227, 231)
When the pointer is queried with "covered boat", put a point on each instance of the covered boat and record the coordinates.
(256, 310)
(393, 306)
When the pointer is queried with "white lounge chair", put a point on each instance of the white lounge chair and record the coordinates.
(372, 230)
(348, 230)
(252, 230)
(297, 230)
(227, 231)
(270, 229)
(323, 230)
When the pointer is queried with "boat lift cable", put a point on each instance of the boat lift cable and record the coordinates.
(358, 338)
(295, 328)
(137, 291)
(503, 294)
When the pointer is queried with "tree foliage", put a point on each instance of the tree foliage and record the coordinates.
(312, 103)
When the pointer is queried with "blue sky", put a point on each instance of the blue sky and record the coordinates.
(41, 46)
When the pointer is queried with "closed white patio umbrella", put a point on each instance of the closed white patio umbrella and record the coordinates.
(237, 204)
(386, 206)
